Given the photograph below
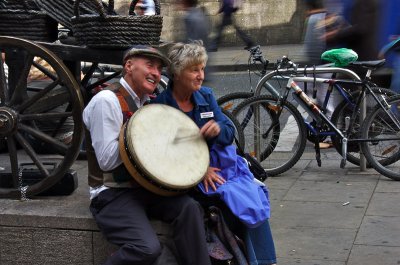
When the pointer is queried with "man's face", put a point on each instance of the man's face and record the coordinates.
(143, 74)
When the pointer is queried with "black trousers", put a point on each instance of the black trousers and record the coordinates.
(123, 217)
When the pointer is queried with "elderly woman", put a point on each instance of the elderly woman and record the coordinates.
(186, 93)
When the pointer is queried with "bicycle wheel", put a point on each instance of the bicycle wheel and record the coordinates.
(383, 153)
(238, 131)
(346, 109)
(276, 133)
(230, 101)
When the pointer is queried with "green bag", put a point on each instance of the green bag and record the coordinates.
(340, 57)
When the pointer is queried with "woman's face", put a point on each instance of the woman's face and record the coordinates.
(191, 78)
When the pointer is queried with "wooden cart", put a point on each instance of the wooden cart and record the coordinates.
(41, 128)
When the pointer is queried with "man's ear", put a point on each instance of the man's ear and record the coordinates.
(129, 65)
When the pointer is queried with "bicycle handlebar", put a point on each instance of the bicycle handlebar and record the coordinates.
(285, 62)
(256, 56)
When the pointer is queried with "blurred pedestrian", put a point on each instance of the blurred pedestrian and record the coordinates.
(145, 8)
(361, 32)
(390, 40)
(314, 46)
(334, 6)
(197, 25)
(393, 47)
(314, 43)
(228, 9)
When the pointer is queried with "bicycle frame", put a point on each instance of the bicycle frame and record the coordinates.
(280, 74)
(313, 110)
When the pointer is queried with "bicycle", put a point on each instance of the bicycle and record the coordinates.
(271, 83)
(260, 63)
(284, 152)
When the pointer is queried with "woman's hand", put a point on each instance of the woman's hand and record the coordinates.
(211, 178)
(210, 129)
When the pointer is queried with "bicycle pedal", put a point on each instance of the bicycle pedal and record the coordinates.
(389, 150)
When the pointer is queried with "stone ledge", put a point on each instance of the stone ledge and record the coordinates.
(48, 232)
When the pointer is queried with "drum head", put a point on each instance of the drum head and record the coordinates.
(167, 146)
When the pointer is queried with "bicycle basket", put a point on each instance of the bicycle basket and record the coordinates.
(340, 57)
(115, 31)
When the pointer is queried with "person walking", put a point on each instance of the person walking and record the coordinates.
(197, 26)
(227, 10)
(361, 32)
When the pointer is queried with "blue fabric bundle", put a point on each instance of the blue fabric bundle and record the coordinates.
(247, 199)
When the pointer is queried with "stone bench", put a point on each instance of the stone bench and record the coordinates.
(61, 230)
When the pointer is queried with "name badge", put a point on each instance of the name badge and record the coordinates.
(206, 115)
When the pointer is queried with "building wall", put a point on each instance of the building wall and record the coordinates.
(268, 22)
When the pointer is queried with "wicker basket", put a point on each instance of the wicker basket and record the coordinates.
(63, 10)
(26, 22)
(115, 31)
(17, 4)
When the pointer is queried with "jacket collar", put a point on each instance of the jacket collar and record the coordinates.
(197, 97)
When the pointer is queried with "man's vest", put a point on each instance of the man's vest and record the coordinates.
(118, 177)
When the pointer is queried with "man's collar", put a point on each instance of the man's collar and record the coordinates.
(132, 93)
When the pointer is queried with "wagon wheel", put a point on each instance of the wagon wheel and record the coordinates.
(40, 118)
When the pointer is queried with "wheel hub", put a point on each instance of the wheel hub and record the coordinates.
(8, 121)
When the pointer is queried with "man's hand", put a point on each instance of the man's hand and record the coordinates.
(211, 178)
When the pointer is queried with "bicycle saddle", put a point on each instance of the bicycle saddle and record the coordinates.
(369, 64)
(340, 57)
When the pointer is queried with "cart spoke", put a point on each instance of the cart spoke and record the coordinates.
(89, 74)
(20, 90)
(62, 120)
(45, 116)
(29, 150)
(56, 144)
(45, 71)
(12, 150)
(37, 96)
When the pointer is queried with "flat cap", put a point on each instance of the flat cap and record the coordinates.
(147, 51)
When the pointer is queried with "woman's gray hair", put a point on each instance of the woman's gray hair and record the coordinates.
(183, 55)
